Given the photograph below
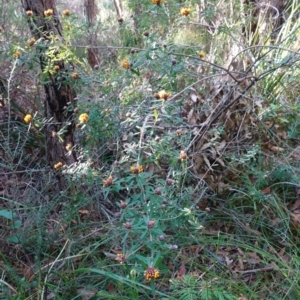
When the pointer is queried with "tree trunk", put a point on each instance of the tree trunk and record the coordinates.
(267, 17)
(91, 14)
(118, 7)
(60, 125)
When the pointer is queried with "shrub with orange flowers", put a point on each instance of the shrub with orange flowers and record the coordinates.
(183, 156)
(109, 181)
(83, 118)
(157, 2)
(48, 12)
(126, 64)
(56, 68)
(66, 12)
(164, 95)
(201, 54)
(31, 42)
(121, 258)
(58, 165)
(29, 13)
(75, 75)
(28, 118)
(185, 11)
(17, 54)
(136, 169)
(151, 273)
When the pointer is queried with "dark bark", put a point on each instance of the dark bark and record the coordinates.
(118, 7)
(60, 126)
(91, 14)
(272, 13)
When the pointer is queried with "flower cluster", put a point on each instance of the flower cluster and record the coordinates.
(151, 273)
(127, 225)
(58, 165)
(66, 12)
(157, 2)
(125, 64)
(123, 204)
(27, 119)
(162, 95)
(150, 224)
(136, 169)
(201, 54)
(31, 42)
(183, 156)
(75, 75)
(17, 54)
(83, 118)
(120, 258)
(56, 68)
(29, 13)
(48, 12)
(109, 181)
(185, 11)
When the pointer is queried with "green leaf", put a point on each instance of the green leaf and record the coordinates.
(13, 239)
(155, 113)
(6, 214)
(16, 224)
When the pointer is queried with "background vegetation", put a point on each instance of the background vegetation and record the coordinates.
(186, 179)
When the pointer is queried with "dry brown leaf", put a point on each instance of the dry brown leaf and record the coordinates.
(197, 162)
(111, 288)
(213, 153)
(194, 97)
(192, 117)
(28, 272)
(207, 162)
(205, 146)
(83, 212)
(221, 146)
(220, 161)
(182, 270)
(276, 149)
(87, 294)
(296, 205)
(295, 221)
(228, 261)
(266, 191)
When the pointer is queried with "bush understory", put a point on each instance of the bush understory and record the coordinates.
(186, 184)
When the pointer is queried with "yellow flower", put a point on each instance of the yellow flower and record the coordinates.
(48, 12)
(58, 165)
(29, 13)
(109, 181)
(125, 64)
(120, 258)
(157, 2)
(202, 54)
(75, 75)
(136, 169)
(185, 11)
(31, 42)
(164, 95)
(83, 118)
(183, 156)
(66, 12)
(27, 119)
(17, 54)
(156, 96)
(151, 273)
(56, 68)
